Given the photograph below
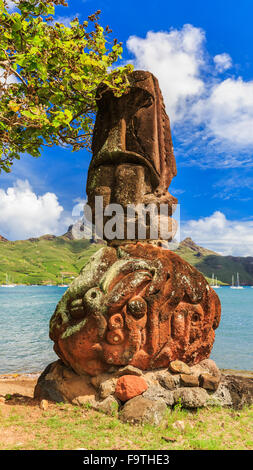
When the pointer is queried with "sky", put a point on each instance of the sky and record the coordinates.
(201, 53)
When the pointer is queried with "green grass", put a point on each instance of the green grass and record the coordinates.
(68, 427)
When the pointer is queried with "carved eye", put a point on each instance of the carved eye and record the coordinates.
(195, 317)
(137, 307)
(92, 300)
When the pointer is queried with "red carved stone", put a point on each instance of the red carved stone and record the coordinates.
(136, 304)
(129, 386)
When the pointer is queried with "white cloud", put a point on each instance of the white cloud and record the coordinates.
(222, 62)
(211, 115)
(228, 112)
(175, 58)
(24, 214)
(216, 232)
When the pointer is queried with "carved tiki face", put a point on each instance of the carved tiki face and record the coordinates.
(133, 160)
(138, 305)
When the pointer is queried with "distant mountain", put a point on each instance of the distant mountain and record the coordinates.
(223, 267)
(50, 260)
(80, 231)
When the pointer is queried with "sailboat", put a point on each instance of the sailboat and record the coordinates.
(233, 283)
(8, 284)
(214, 285)
(62, 285)
(238, 283)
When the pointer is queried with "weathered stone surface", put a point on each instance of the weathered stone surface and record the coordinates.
(109, 405)
(233, 391)
(209, 382)
(128, 370)
(207, 366)
(61, 384)
(221, 397)
(107, 388)
(240, 389)
(84, 400)
(167, 381)
(97, 380)
(156, 391)
(129, 386)
(179, 367)
(133, 160)
(191, 397)
(139, 305)
(141, 410)
(189, 380)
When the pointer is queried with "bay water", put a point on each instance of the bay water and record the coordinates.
(25, 312)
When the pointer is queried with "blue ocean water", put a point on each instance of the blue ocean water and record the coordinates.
(24, 323)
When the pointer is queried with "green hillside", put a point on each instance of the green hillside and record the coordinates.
(53, 260)
(45, 260)
(223, 267)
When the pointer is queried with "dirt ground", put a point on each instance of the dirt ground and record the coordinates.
(18, 384)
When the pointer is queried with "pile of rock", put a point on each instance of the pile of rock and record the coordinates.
(143, 396)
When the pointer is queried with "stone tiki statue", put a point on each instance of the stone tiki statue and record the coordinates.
(134, 303)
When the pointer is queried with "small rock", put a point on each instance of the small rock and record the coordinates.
(129, 386)
(150, 377)
(44, 405)
(189, 380)
(167, 381)
(2, 400)
(221, 397)
(210, 366)
(156, 391)
(141, 410)
(83, 400)
(98, 379)
(179, 425)
(207, 366)
(107, 388)
(179, 367)
(109, 406)
(129, 370)
(191, 397)
(209, 382)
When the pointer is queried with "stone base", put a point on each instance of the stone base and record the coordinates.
(137, 396)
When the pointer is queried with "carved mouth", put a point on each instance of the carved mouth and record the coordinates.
(124, 156)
